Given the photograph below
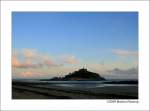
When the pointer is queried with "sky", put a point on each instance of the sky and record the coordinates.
(48, 44)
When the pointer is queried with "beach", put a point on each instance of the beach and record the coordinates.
(51, 91)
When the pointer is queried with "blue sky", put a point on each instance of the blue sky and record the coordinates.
(92, 37)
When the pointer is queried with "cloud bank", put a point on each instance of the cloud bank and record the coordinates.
(31, 63)
(117, 73)
(30, 58)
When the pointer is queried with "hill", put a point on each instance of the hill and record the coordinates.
(81, 74)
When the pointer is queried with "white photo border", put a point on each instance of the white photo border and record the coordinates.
(7, 7)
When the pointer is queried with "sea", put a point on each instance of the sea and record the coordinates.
(81, 84)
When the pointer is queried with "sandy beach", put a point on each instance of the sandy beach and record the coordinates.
(30, 91)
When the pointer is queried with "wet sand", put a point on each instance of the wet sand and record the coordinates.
(21, 91)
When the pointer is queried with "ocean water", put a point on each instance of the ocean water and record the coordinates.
(92, 85)
(84, 84)
(80, 84)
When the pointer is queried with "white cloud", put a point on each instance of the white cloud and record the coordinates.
(29, 53)
(124, 53)
(69, 59)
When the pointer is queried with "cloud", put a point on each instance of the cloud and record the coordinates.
(47, 60)
(30, 63)
(131, 73)
(124, 53)
(30, 58)
(127, 71)
(27, 63)
(15, 62)
(69, 59)
(29, 53)
(29, 74)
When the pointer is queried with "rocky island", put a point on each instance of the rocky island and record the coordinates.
(80, 75)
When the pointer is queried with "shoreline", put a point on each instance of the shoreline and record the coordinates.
(33, 91)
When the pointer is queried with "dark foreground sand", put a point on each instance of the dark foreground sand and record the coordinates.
(20, 91)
